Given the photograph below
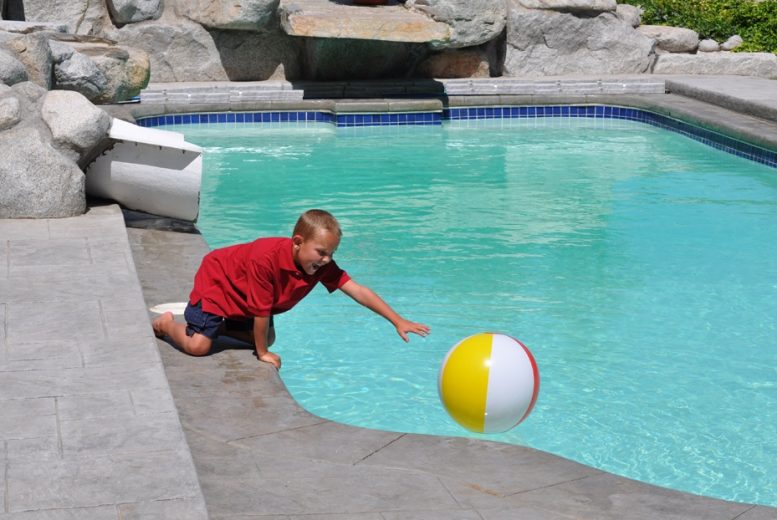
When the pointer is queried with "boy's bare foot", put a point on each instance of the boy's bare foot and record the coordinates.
(159, 323)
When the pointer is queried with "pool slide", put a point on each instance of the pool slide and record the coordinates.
(149, 170)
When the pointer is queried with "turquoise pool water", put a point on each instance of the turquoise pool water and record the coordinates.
(637, 265)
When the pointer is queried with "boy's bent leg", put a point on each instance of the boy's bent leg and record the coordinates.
(197, 344)
(243, 331)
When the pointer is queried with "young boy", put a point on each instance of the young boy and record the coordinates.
(238, 289)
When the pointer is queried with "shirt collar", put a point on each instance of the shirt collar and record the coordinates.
(286, 258)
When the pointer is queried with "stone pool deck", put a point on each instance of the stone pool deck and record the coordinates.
(99, 420)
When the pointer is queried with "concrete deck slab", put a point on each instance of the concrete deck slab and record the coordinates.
(753, 96)
(88, 427)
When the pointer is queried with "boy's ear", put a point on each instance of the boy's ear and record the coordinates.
(297, 240)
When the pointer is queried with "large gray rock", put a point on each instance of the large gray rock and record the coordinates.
(19, 27)
(80, 74)
(248, 15)
(258, 56)
(631, 14)
(186, 51)
(545, 43)
(99, 69)
(60, 51)
(760, 64)
(80, 16)
(732, 43)
(709, 45)
(76, 125)
(671, 39)
(127, 70)
(472, 22)
(37, 180)
(133, 11)
(572, 6)
(33, 51)
(11, 70)
(29, 93)
(10, 112)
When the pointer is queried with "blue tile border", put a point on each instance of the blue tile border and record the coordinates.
(703, 135)
(709, 137)
(340, 120)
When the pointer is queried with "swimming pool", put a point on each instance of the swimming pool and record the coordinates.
(636, 264)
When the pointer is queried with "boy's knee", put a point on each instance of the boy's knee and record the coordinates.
(198, 345)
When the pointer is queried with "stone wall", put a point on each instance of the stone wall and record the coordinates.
(44, 136)
(239, 40)
(58, 58)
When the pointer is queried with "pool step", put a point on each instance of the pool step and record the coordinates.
(727, 92)
(219, 92)
(237, 92)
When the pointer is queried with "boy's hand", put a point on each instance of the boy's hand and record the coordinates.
(269, 357)
(405, 326)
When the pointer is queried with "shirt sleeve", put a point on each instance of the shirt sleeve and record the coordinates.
(261, 290)
(334, 277)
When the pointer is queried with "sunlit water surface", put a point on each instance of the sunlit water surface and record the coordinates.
(639, 266)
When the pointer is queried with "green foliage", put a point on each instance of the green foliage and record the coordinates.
(755, 22)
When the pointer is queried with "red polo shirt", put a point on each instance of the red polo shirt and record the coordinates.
(257, 279)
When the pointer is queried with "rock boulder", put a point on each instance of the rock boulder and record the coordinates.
(671, 39)
(133, 11)
(246, 15)
(43, 135)
(33, 51)
(79, 16)
(37, 180)
(472, 22)
(10, 112)
(126, 69)
(549, 43)
(11, 70)
(572, 6)
(709, 45)
(74, 71)
(631, 14)
(76, 125)
(258, 56)
(185, 51)
(100, 69)
(732, 43)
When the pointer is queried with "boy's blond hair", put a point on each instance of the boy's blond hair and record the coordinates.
(311, 222)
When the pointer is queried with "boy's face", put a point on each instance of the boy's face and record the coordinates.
(313, 253)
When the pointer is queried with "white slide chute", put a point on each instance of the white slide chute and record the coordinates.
(149, 170)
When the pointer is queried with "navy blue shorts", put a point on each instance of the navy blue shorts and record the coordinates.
(209, 325)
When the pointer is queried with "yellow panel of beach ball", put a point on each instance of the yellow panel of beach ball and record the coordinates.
(488, 383)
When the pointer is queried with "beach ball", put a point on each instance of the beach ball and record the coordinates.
(488, 383)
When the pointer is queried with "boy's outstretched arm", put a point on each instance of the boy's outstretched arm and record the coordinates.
(368, 298)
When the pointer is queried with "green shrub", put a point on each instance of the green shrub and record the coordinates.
(755, 22)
